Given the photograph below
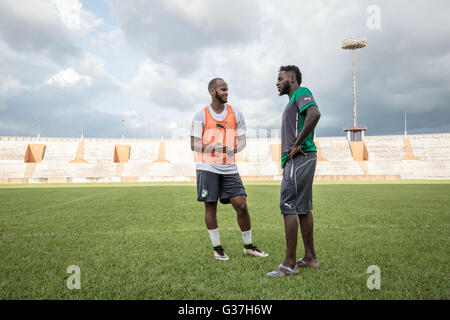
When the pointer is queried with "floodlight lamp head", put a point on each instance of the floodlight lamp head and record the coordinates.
(354, 43)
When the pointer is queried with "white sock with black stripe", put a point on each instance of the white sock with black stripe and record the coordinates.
(214, 235)
(247, 236)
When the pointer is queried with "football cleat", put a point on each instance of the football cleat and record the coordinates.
(252, 250)
(219, 254)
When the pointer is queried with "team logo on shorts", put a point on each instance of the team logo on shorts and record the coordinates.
(204, 193)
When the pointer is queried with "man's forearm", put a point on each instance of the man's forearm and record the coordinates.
(198, 146)
(204, 148)
(240, 144)
(311, 120)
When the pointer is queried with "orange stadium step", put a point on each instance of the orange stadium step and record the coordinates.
(34, 153)
(359, 150)
(409, 154)
(121, 153)
(79, 154)
(319, 152)
(162, 153)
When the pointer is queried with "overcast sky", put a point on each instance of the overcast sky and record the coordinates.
(94, 63)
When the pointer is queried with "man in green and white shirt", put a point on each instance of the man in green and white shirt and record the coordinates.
(298, 160)
(300, 100)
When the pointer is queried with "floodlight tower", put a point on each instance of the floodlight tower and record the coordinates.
(39, 128)
(123, 129)
(353, 44)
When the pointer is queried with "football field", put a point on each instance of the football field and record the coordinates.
(149, 241)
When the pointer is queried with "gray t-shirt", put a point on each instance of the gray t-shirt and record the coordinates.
(198, 123)
(292, 122)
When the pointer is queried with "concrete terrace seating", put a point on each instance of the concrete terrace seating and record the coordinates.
(258, 150)
(346, 168)
(151, 171)
(384, 167)
(100, 151)
(56, 169)
(335, 148)
(12, 169)
(426, 169)
(142, 151)
(431, 146)
(13, 150)
(60, 151)
(385, 147)
(178, 150)
(173, 160)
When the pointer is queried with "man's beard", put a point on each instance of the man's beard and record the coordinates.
(285, 89)
(221, 99)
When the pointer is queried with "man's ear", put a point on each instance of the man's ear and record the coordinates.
(292, 78)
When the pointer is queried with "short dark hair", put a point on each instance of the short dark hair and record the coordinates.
(295, 70)
(213, 83)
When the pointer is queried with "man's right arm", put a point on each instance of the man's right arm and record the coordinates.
(197, 132)
(198, 146)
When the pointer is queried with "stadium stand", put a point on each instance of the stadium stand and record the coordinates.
(425, 156)
(385, 147)
(335, 148)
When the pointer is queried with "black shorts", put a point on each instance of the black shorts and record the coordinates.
(296, 186)
(213, 186)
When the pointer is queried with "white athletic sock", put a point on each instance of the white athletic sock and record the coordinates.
(214, 235)
(247, 236)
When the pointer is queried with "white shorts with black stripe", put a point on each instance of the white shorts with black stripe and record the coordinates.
(296, 185)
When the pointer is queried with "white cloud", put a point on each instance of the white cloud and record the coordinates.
(220, 18)
(68, 77)
(73, 16)
(133, 119)
(196, 11)
(34, 27)
(10, 86)
(175, 30)
(111, 40)
(161, 84)
(69, 12)
(94, 67)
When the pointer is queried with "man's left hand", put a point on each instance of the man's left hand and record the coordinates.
(295, 149)
(230, 151)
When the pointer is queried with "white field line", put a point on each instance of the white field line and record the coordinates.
(100, 233)
(57, 205)
(202, 229)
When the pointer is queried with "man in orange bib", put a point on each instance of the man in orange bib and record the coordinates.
(217, 134)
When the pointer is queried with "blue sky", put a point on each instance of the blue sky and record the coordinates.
(94, 63)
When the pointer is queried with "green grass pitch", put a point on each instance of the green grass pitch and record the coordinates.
(149, 241)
